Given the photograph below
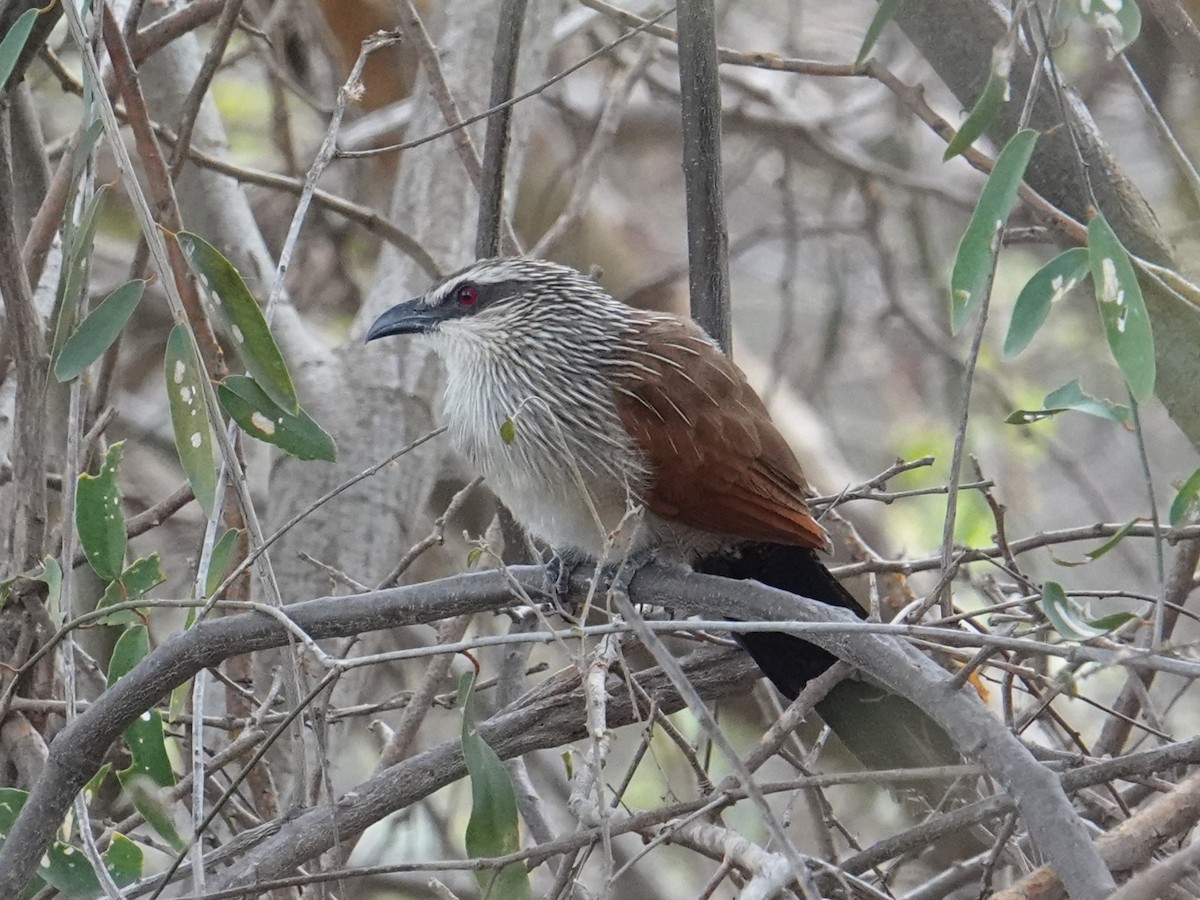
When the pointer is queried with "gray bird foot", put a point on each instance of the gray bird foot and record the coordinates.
(619, 575)
(560, 566)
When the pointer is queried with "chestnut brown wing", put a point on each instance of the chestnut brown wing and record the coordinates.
(716, 459)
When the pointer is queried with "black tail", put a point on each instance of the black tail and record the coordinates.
(881, 729)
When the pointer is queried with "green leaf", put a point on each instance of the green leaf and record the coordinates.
(1185, 501)
(99, 518)
(1113, 621)
(1063, 615)
(218, 562)
(1121, 534)
(1072, 397)
(145, 735)
(97, 332)
(86, 145)
(123, 859)
(133, 584)
(508, 430)
(77, 248)
(248, 404)
(995, 94)
(13, 44)
(492, 829)
(1119, 20)
(189, 417)
(1050, 283)
(883, 15)
(977, 251)
(240, 319)
(65, 867)
(151, 801)
(1122, 309)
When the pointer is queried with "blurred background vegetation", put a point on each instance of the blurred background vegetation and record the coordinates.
(843, 223)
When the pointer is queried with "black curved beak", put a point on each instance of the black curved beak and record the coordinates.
(412, 317)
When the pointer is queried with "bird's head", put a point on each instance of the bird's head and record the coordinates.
(501, 290)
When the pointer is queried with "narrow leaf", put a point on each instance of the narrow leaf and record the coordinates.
(256, 414)
(97, 332)
(99, 518)
(1063, 616)
(883, 15)
(240, 319)
(145, 734)
(492, 829)
(218, 562)
(189, 417)
(995, 94)
(86, 145)
(1121, 534)
(1113, 621)
(13, 44)
(1050, 283)
(976, 254)
(1185, 501)
(1119, 20)
(77, 248)
(1122, 309)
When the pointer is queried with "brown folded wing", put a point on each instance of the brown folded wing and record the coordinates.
(717, 462)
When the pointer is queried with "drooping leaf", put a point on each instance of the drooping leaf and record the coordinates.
(975, 258)
(1185, 501)
(995, 94)
(99, 518)
(492, 829)
(241, 320)
(1121, 534)
(1112, 621)
(133, 584)
(13, 44)
(189, 417)
(1072, 397)
(883, 15)
(218, 562)
(1122, 309)
(257, 415)
(1119, 20)
(1050, 283)
(97, 332)
(1063, 616)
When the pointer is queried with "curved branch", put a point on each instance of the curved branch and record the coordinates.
(78, 750)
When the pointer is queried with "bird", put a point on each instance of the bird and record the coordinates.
(577, 407)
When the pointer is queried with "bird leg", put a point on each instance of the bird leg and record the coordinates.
(560, 564)
(619, 575)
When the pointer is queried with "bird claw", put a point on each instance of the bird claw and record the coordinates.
(619, 575)
(560, 566)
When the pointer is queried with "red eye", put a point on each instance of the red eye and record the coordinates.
(467, 295)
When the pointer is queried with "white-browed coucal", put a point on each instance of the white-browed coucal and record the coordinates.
(574, 405)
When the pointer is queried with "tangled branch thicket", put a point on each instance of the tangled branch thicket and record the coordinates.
(180, 716)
